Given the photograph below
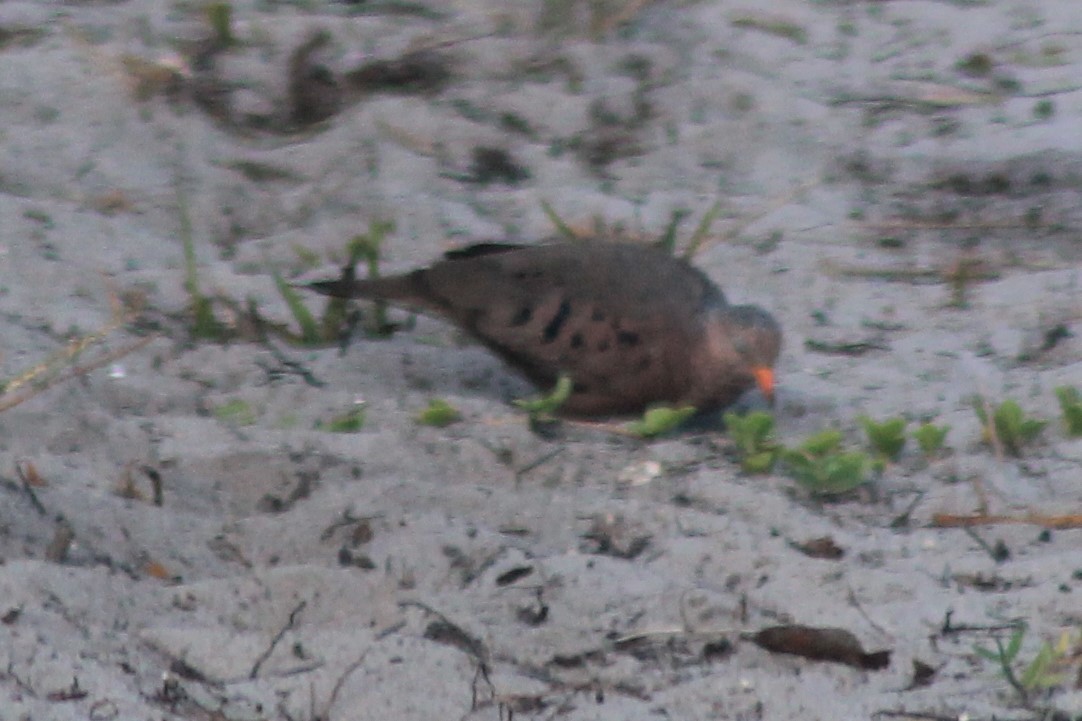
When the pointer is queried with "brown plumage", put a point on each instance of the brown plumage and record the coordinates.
(630, 324)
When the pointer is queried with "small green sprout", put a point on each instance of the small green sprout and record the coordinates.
(930, 438)
(1008, 424)
(204, 324)
(439, 413)
(887, 438)
(753, 435)
(235, 413)
(349, 422)
(561, 227)
(660, 420)
(367, 247)
(310, 331)
(1070, 401)
(703, 229)
(220, 17)
(820, 466)
(667, 241)
(1045, 671)
(547, 405)
(1004, 656)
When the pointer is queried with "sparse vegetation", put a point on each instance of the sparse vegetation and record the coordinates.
(349, 422)
(1007, 426)
(235, 413)
(660, 420)
(1070, 402)
(544, 407)
(823, 468)
(887, 438)
(439, 413)
(930, 438)
(1046, 670)
(753, 435)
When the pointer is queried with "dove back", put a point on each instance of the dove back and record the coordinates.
(627, 323)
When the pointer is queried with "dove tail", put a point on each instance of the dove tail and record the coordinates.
(408, 288)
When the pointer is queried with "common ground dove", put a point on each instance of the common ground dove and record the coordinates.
(630, 324)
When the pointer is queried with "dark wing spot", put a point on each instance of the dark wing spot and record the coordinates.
(627, 339)
(553, 328)
(576, 340)
(523, 316)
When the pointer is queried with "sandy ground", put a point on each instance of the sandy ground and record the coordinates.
(863, 153)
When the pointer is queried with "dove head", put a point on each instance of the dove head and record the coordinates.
(753, 336)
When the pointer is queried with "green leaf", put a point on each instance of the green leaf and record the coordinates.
(439, 413)
(1015, 644)
(751, 433)
(1008, 418)
(368, 247)
(220, 17)
(930, 438)
(823, 442)
(349, 422)
(886, 438)
(561, 227)
(843, 472)
(656, 421)
(699, 236)
(235, 413)
(667, 241)
(1070, 402)
(987, 654)
(550, 403)
(310, 334)
(1009, 424)
(760, 462)
(828, 474)
(1039, 673)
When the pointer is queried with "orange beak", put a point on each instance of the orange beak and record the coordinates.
(764, 377)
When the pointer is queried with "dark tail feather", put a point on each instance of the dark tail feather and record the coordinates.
(396, 288)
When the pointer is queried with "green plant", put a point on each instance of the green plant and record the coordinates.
(930, 438)
(667, 241)
(439, 413)
(753, 435)
(235, 413)
(310, 330)
(545, 406)
(349, 422)
(660, 420)
(367, 247)
(703, 229)
(220, 17)
(561, 227)
(1070, 402)
(887, 438)
(1009, 425)
(204, 324)
(823, 468)
(1044, 671)
(1004, 656)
